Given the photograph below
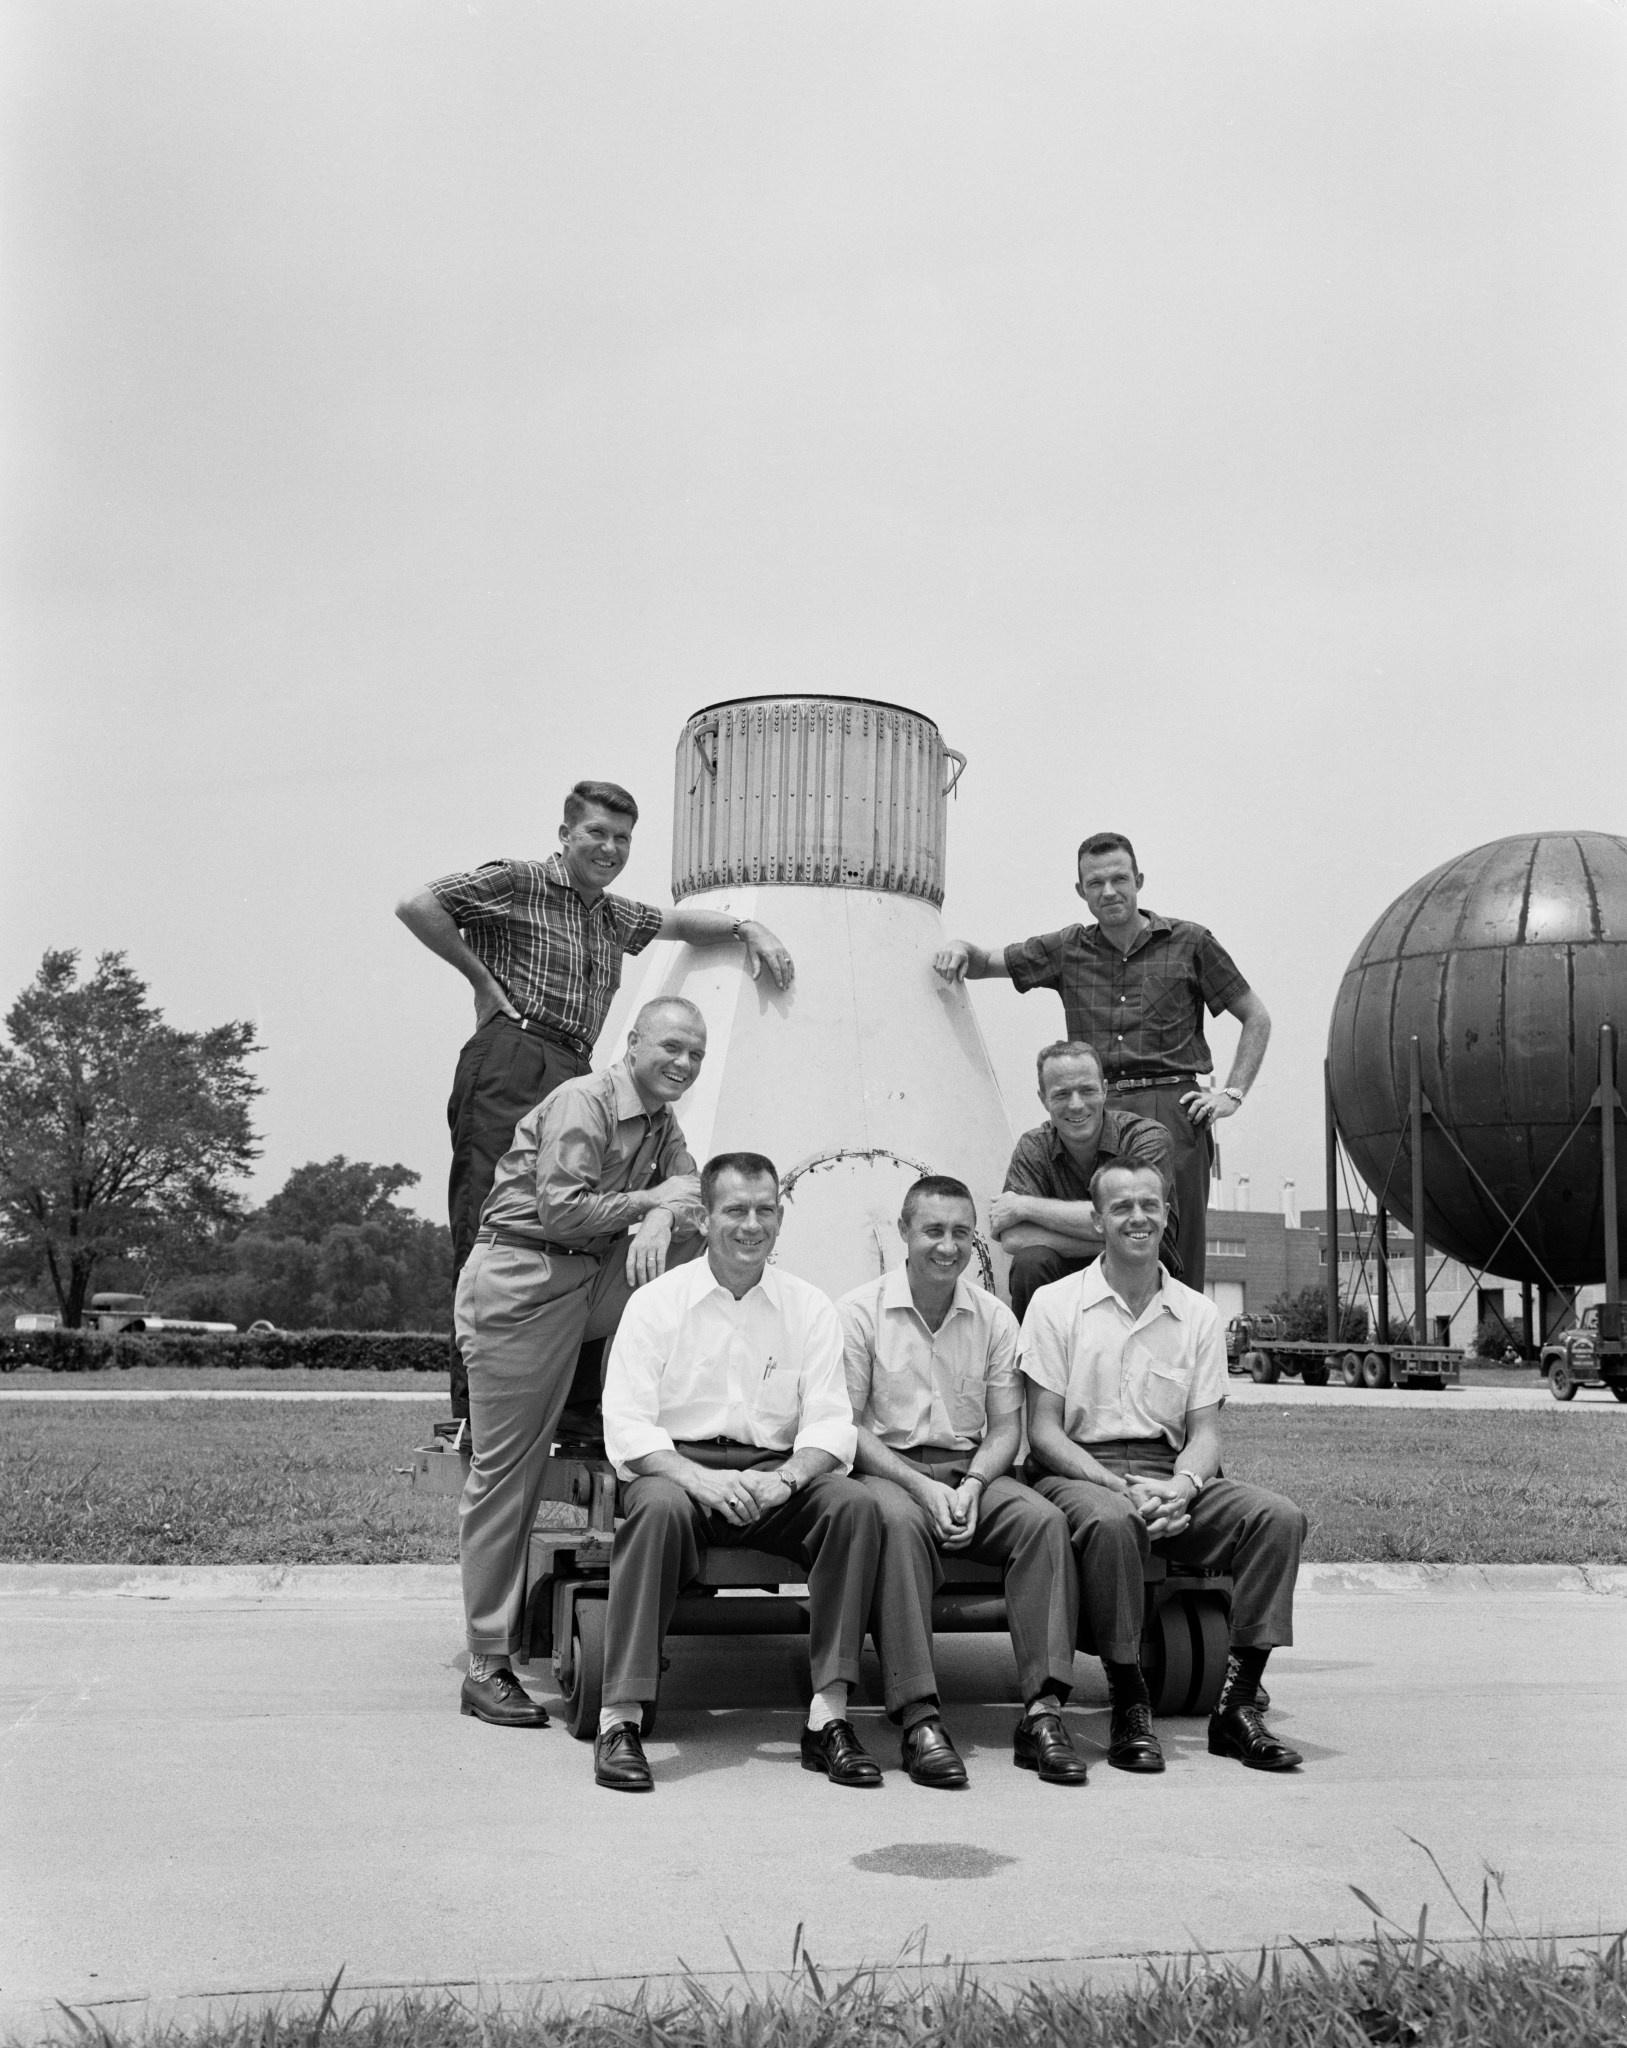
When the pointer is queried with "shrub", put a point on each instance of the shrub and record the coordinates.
(316, 1350)
(1305, 1317)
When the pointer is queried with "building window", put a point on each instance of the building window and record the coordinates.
(1227, 1248)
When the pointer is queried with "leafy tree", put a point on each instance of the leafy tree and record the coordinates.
(119, 1135)
(330, 1250)
(1305, 1317)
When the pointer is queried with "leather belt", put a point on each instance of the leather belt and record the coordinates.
(517, 1241)
(1118, 1087)
(567, 1041)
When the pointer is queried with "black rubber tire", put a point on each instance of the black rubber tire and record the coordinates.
(1166, 1658)
(582, 1680)
(1209, 1618)
(1350, 1368)
(1375, 1370)
(1560, 1383)
(1314, 1375)
(1263, 1368)
(1618, 1388)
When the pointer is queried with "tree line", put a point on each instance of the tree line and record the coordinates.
(122, 1140)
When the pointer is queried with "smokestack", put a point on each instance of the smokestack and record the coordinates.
(1290, 1205)
(1242, 1191)
(825, 817)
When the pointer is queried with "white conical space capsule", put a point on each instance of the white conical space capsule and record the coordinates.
(825, 818)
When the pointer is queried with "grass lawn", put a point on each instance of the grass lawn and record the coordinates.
(244, 1482)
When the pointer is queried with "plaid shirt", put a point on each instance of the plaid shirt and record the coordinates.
(1142, 1010)
(558, 960)
(1042, 1165)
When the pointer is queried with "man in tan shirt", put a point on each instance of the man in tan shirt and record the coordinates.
(552, 1267)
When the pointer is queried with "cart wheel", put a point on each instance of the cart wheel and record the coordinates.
(1560, 1383)
(1210, 1620)
(1314, 1375)
(1262, 1367)
(1350, 1368)
(1166, 1657)
(1375, 1370)
(582, 1680)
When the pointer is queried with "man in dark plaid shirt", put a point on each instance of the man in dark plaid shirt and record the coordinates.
(1135, 986)
(541, 943)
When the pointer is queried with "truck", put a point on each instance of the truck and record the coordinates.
(1589, 1354)
(129, 1313)
(1257, 1346)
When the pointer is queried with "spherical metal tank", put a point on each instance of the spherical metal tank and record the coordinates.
(1503, 963)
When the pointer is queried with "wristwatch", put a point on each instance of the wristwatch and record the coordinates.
(1198, 1483)
(786, 1476)
(1236, 1095)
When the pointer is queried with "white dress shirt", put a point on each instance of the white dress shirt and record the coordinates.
(1124, 1376)
(916, 1388)
(690, 1364)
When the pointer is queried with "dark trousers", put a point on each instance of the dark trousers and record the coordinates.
(832, 1524)
(1025, 1536)
(502, 1072)
(1036, 1266)
(1253, 1535)
(1194, 1163)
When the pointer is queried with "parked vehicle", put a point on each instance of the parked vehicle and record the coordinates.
(1255, 1345)
(1583, 1356)
(37, 1320)
(129, 1313)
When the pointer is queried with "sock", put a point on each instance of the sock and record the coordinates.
(619, 1711)
(827, 1705)
(1047, 1703)
(482, 1666)
(917, 1711)
(1244, 1670)
(1126, 1685)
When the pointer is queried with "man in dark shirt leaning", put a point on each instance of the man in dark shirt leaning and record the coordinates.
(541, 943)
(1136, 984)
(1045, 1219)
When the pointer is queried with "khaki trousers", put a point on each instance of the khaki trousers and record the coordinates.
(1016, 1530)
(521, 1317)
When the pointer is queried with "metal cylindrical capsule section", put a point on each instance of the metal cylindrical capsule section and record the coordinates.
(816, 792)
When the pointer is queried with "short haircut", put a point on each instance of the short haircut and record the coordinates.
(609, 796)
(1127, 1166)
(749, 1166)
(691, 1010)
(1105, 842)
(1067, 1049)
(936, 1186)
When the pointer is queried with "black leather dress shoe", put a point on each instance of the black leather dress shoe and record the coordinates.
(1238, 1731)
(501, 1700)
(1131, 1744)
(835, 1750)
(619, 1762)
(931, 1759)
(1041, 1743)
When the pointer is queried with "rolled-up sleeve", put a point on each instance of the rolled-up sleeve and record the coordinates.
(636, 923)
(1209, 1380)
(825, 1413)
(1042, 1348)
(858, 1352)
(481, 895)
(572, 1137)
(1036, 963)
(632, 1382)
(1219, 977)
(1002, 1384)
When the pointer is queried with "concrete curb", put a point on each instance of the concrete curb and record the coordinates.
(261, 1583)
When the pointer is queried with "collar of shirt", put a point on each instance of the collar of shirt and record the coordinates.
(1094, 1290)
(895, 1294)
(703, 1283)
(627, 1101)
(1109, 1144)
(560, 875)
(1154, 927)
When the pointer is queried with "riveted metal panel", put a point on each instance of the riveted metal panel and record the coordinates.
(814, 792)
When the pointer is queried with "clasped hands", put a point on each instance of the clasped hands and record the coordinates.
(1162, 1505)
(953, 1511)
(740, 1497)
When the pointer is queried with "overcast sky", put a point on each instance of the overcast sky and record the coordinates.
(1212, 416)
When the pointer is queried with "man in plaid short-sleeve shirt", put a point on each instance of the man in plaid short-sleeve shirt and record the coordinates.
(541, 943)
(1135, 986)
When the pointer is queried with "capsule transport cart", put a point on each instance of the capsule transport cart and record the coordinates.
(755, 1592)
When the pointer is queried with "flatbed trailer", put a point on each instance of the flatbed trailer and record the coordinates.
(1355, 1365)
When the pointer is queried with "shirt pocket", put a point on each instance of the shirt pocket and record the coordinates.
(774, 1399)
(1164, 1391)
(968, 1406)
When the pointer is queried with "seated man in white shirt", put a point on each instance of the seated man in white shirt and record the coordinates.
(1126, 1372)
(726, 1410)
(932, 1374)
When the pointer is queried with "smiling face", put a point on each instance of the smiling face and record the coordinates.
(596, 848)
(938, 1233)
(1074, 1099)
(1110, 884)
(742, 1223)
(664, 1053)
(1130, 1203)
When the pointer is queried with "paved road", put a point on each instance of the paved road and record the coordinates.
(223, 1785)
